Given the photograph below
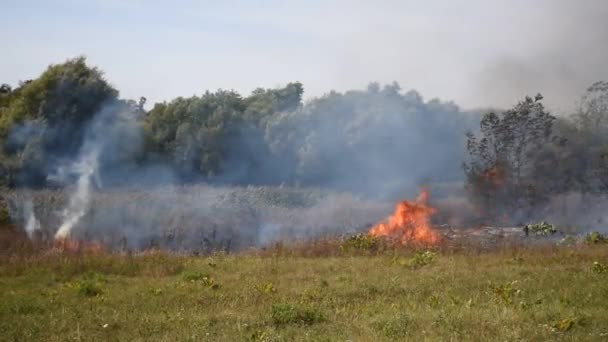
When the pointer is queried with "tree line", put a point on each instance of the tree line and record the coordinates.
(380, 140)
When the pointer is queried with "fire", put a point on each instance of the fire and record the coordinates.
(410, 223)
(73, 246)
(495, 176)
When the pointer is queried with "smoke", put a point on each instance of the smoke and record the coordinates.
(367, 148)
(562, 51)
(86, 168)
(32, 225)
(110, 136)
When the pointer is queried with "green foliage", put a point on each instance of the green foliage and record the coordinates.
(193, 276)
(360, 242)
(44, 119)
(90, 284)
(266, 288)
(599, 267)
(507, 292)
(421, 259)
(564, 325)
(368, 298)
(502, 171)
(595, 237)
(540, 229)
(284, 314)
(418, 260)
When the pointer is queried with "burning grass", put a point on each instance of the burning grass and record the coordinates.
(512, 292)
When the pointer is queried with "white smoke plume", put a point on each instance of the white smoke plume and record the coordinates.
(86, 168)
(31, 222)
(108, 133)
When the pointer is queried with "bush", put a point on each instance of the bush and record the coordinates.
(360, 242)
(599, 267)
(422, 259)
(90, 285)
(540, 229)
(283, 314)
(506, 292)
(595, 237)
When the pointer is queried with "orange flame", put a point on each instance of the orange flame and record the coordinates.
(410, 223)
(495, 176)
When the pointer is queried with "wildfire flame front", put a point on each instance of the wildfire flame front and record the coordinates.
(410, 223)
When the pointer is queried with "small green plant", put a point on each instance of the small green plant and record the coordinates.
(563, 325)
(421, 259)
(90, 285)
(598, 267)
(266, 288)
(540, 229)
(156, 291)
(595, 238)
(193, 276)
(506, 292)
(360, 242)
(283, 314)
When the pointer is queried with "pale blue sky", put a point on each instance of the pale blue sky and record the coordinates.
(475, 52)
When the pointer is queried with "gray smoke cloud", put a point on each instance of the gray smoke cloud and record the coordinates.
(562, 51)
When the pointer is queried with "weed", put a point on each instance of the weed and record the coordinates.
(506, 292)
(193, 276)
(598, 267)
(563, 325)
(595, 237)
(90, 285)
(360, 242)
(283, 314)
(266, 288)
(421, 259)
(540, 229)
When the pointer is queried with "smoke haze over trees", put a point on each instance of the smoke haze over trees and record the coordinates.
(376, 141)
(380, 142)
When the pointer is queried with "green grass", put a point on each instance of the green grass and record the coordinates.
(510, 294)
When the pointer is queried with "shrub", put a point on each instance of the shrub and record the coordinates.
(599, 267)
(266, 288)
(283, 314)
(506, 292)
(563, 325)
(421, 259)
(360, 242)
(595, 237)
(90, 285)
(540, 229)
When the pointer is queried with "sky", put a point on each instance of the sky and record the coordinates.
(477, 53)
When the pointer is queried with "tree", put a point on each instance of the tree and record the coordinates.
(501, 172)
(43, 120)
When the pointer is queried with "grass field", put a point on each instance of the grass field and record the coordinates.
(511, 293)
